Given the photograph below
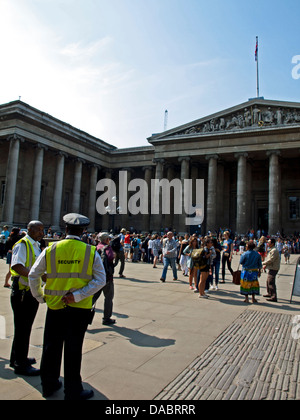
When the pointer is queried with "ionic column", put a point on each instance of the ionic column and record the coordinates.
(125, 214)
(169, 218)
(148, 176)
(184, 174)
(58, 189)
(274, 192)
(241, 221)
(156, 219)
(92, 197)
(105, 217)
(37, 182)
(11, 179)
(77, 186)
(211, 216)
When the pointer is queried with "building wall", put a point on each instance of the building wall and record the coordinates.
(237, 167)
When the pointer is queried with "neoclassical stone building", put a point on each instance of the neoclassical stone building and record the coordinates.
(248, 157)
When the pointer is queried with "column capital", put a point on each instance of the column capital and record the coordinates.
(149, 168)
(94, 165)
(156, 161)
(209, 157)
(61, 154)
(79, 160)
(241, 154)
(184, 158)
(40, 146)
(273, 152)
(15, 137)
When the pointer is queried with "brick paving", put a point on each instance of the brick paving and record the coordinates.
(256, 358)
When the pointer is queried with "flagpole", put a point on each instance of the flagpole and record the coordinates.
(257, 67)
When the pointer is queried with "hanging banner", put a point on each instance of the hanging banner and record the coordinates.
(296, 286)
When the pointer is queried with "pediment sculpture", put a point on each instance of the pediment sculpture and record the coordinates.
(252, 117)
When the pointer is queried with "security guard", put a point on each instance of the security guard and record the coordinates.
(24, 306)
(74, 274)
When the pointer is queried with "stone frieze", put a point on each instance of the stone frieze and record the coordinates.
(252, 117)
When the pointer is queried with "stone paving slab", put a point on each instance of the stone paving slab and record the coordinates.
(255, 358)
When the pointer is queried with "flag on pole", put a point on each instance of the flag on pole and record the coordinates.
(256, 50)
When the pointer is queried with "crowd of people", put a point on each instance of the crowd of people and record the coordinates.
(203, 259)
(70, 271)
(150, 248)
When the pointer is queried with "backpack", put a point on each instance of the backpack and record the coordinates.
(116, 244)
(198, 258)
(134, 243)
(109, 268)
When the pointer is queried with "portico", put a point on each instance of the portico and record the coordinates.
(248, 157)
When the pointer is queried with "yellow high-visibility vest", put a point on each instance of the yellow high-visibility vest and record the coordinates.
(69, 268)
(30, 260)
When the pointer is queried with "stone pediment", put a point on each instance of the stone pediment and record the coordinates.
(253, 115)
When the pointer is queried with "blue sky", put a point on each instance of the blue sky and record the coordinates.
(112, 68)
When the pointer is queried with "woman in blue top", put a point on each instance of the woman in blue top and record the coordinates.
(252, 265)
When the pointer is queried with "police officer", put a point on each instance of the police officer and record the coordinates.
(74, 274)
(24, 306)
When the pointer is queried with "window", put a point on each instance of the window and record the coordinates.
(294, 208)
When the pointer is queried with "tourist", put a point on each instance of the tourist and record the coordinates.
(3, 238)
(183, 259)
(261, 248)
(215, 266)
(273, 264)
(150, 248)
(156, 249)
(287, 251)
(127, 245)
(169, 256)
(279, 246)
(227, 255)
(13, 238)
(252, 265)
(107, 255)
(187, 252)
(205, 269)
(118, 247)
(136, 246)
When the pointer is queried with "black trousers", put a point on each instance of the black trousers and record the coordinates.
(225, 259)
(108, 291)
(271, 284)
(64, 329)
(24, 307)
(120, 256)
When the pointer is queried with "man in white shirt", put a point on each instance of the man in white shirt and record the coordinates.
(23, 304)
(75, 273)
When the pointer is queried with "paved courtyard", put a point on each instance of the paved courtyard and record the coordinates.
(168, 344)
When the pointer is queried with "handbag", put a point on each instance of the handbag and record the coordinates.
(237, 277)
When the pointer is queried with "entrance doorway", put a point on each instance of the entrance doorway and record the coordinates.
(263, 219)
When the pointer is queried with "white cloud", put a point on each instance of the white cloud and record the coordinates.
(82, 51)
